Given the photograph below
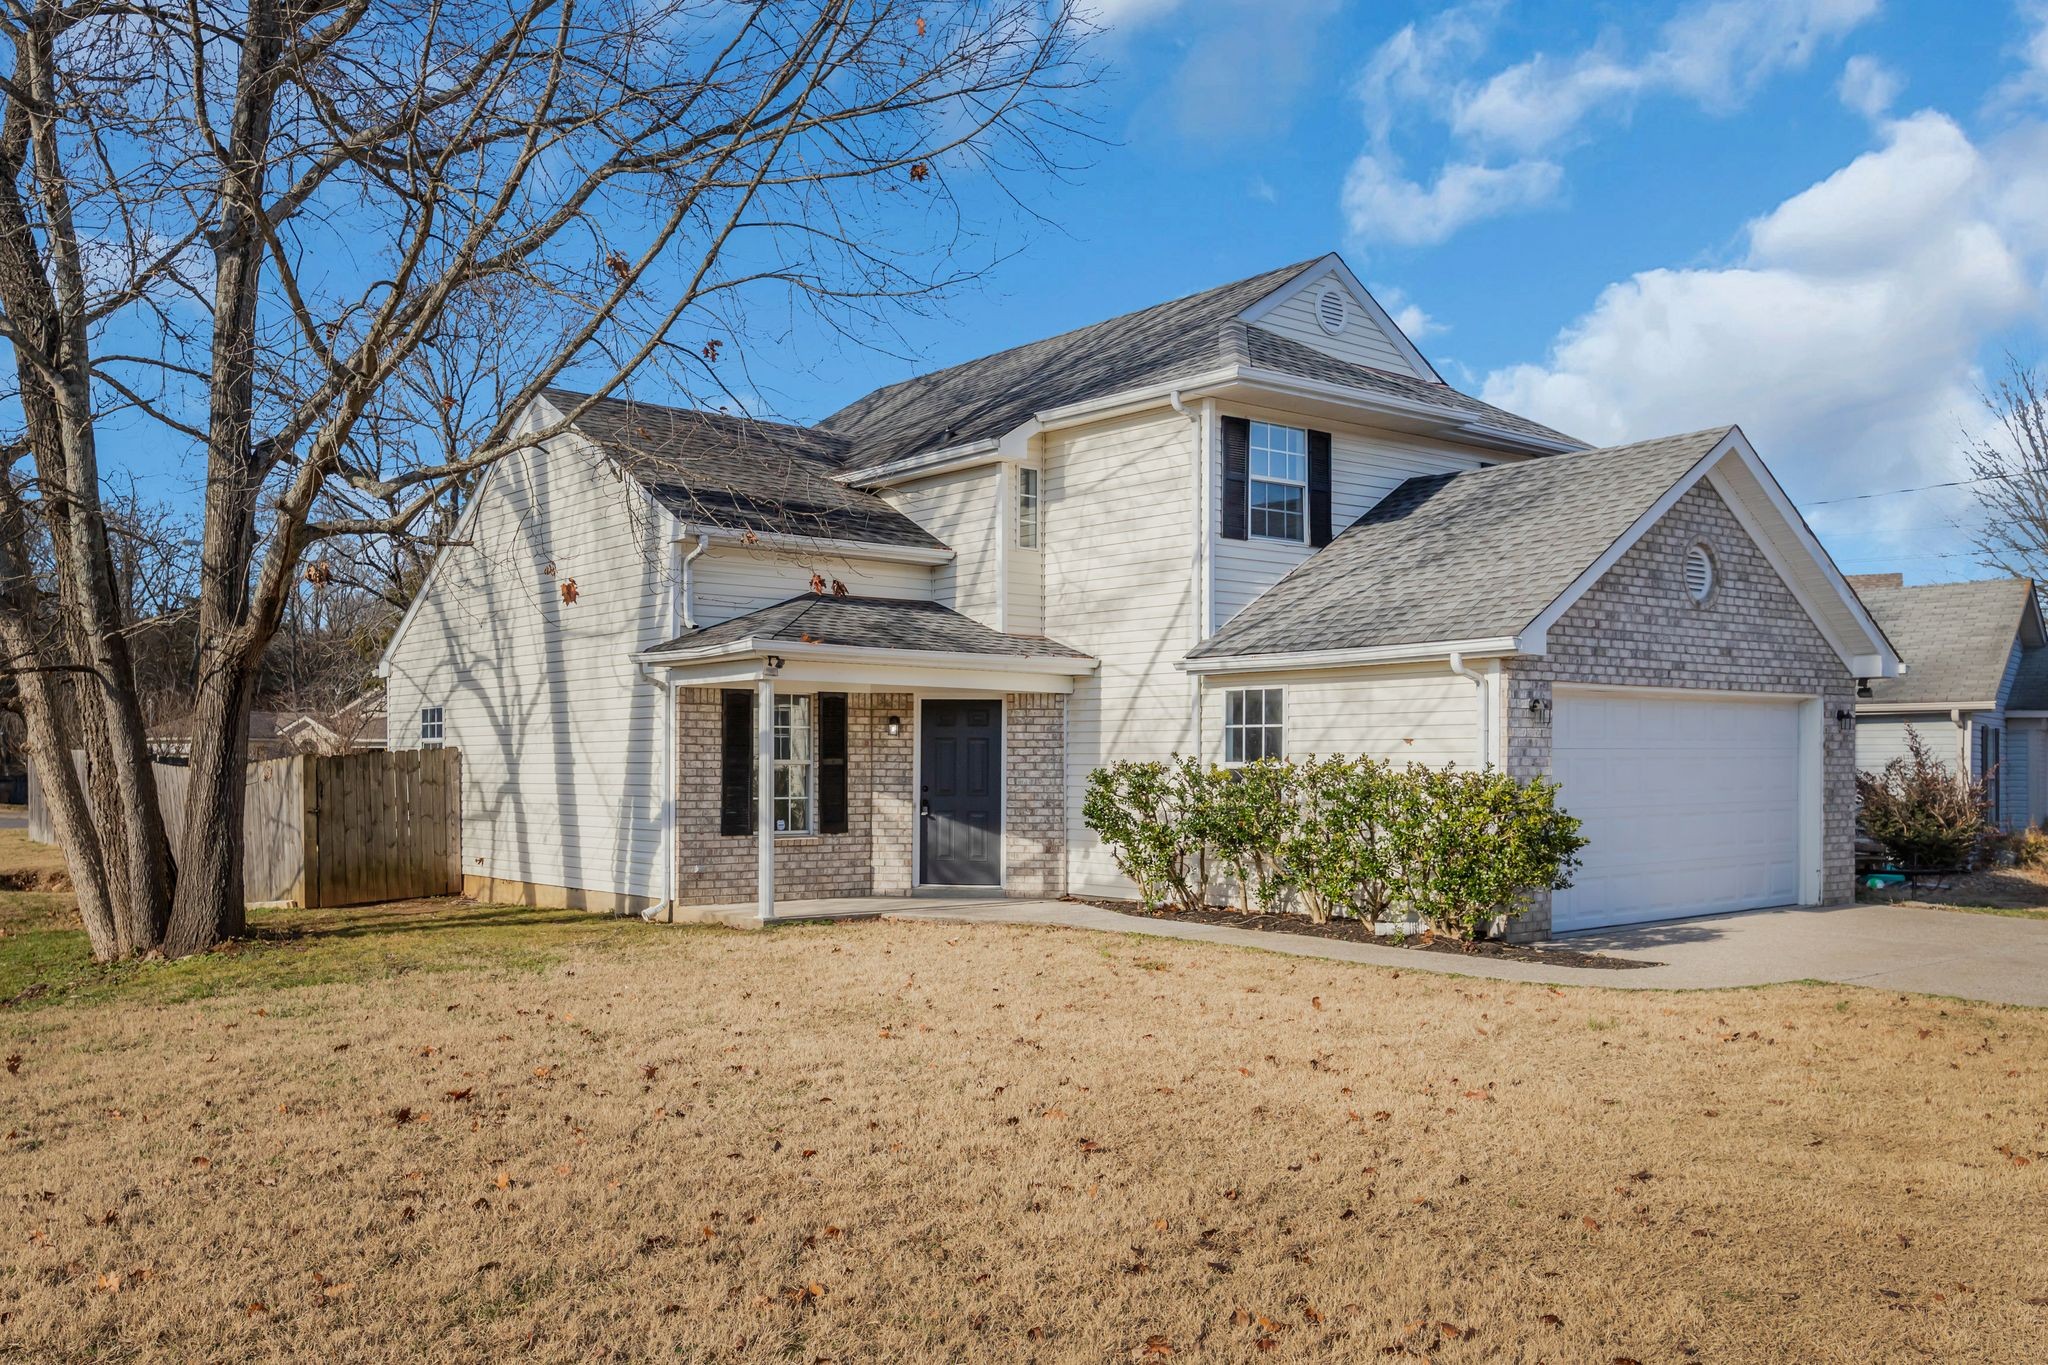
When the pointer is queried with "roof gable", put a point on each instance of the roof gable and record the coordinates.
(1490, 559)
(1328, 310)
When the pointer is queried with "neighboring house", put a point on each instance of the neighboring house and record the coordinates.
(1975, 688)
(355, 728)
(1250, 521)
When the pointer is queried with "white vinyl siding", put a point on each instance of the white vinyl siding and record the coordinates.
(1399, 715)
(1362, 342)
(732, 580)
(1118, 584)
(1880, 739)
(559, 732)
(1364, 468)
(964, 510)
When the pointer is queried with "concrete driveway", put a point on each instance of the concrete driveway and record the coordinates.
(1992, 958)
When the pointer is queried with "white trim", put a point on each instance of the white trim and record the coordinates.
(764, 798)
(1947, 708)
(1680, 693)
(1223, 747)
(1444, 420)
(1063, 665)
(851, 549)
(1423, 652)
(926, 463)
(1335, 262)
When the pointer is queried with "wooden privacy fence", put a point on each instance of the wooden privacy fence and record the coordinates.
(332, 829)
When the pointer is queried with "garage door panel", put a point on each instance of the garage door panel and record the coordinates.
(1690, 805)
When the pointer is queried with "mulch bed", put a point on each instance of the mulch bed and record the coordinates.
(1358, 931)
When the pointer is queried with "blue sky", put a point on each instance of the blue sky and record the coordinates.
(1826, 220)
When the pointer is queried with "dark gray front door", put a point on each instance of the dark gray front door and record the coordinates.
(962, 797)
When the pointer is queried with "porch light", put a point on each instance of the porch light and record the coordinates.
(1863, 688)
(895, 726)
(1846, 719)
(1539, 709)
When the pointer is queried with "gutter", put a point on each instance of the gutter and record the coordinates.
(1065, 665)
(1421, 652)
(1479, 682)
(851, 549)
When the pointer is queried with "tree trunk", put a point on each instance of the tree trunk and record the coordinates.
(210, 904)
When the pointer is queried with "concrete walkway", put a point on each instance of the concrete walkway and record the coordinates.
(1993, 958)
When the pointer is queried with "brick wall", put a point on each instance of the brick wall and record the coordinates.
(1035, 794)
(1638, 627)
(874, 856)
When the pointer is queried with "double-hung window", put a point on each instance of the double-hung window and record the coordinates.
(1279, 482)
(1027, 509)
(433, 727)
(794, 771)
(1253, 721)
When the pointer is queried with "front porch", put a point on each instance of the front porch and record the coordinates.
(935, 762)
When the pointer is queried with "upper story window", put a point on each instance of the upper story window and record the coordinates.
(793, 765)
(433, 727)
(1279, 482)
(1253, 724)
(1027, 509)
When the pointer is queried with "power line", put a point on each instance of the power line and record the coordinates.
(1893, 492)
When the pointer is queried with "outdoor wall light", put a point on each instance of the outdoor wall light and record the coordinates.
(774, 662)
(1863, 688)
(1846, 719)
(895, 726)
(1539, 709)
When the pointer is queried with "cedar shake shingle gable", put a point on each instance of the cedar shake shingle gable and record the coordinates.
(1467, 556)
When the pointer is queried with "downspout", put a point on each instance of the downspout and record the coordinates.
(680, 619)
(1478, 680)
(1198, 568)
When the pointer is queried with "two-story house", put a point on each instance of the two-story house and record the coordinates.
(694, 660)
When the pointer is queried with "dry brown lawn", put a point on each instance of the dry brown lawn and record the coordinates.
(914, 1142)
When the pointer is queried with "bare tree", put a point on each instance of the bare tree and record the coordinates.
(334, 248)
(2009, 468)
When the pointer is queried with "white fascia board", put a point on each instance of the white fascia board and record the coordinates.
(1420, 652)
(1446, 421)
(1879, 646)
(1921, 708)
(1335, 262)
(849, 549)
(1070, 665)
(922, 465)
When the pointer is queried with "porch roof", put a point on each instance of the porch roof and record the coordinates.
(872, 640)
(867, 623)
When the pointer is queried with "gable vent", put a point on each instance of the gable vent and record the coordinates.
(1699, 573)
(1332, 311)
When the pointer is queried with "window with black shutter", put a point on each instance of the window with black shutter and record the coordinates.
(736, 763)
(1237, 477)
(831, 763)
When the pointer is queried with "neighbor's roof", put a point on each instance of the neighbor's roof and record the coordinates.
(870, 623)
(1469, 556)
(740, 473)
(1955, 638)
(982, 400)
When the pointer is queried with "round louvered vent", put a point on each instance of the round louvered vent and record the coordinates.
(1699, 573)
(1331, 311)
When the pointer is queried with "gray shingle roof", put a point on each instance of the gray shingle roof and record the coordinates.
(1468, 556)
(873, 623)
(1955, 639)
(1271, 351)
(982, 399)
(740, 473)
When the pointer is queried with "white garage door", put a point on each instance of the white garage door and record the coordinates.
(1690, 805)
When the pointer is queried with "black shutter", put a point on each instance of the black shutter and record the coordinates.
(1237, 477)
(831, 763)
(736, 764)
(1319, 488)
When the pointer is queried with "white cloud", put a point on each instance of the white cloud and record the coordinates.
(1407, 315)
(2031, 82)
(1844, 341)
(1126, 13)
(1715, 54)
(1868, 86)
(1383, 205)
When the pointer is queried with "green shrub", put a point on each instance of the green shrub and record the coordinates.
(1926, 815)
(1339, 836)
(1483, 843)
